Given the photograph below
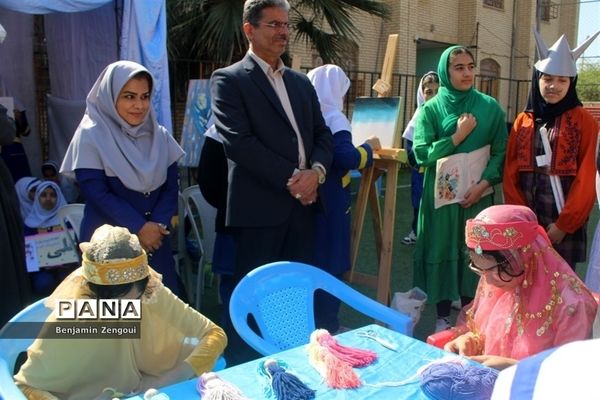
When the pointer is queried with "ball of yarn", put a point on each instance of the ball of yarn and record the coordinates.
(457, 381)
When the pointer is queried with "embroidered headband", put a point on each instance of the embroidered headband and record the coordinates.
(116, 272)
(481, 235)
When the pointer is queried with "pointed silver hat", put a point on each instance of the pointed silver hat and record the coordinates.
(559, 59)
(2, 33)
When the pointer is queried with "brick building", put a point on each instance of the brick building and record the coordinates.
(499, 33)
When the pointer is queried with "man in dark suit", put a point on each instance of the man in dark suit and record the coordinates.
(276, 141)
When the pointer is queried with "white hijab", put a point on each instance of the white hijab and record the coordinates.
(22, 187)
(39, 217)
(409, 132)
(138, 155)
(331, 84)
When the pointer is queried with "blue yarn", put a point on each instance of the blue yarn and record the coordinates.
(287, 386)
(455, 381)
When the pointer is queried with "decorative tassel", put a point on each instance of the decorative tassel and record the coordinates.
(282, 384)
(211, 387)
(337, 374)
(353, 356)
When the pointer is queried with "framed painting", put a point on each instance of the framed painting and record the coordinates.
(379, 116)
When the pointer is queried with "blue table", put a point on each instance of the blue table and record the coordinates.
(390, 367)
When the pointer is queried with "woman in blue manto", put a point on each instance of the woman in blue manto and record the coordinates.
(458, 120)
(333, 223)
(126, 163)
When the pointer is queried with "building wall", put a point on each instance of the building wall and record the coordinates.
(427, 27)
(465, 22)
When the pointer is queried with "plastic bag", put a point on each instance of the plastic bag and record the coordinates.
(411, 303)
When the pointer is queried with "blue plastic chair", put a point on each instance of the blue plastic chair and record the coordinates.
(10, 348)
(280, 298)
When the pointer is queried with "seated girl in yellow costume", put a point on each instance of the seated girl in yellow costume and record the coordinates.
(176, 342)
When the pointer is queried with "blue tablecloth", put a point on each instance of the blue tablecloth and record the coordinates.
(391, 366)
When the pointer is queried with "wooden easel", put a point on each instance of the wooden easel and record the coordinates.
(387, 159)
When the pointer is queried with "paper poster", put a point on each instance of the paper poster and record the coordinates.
(48, 250)
(197, 113)
(379, 116)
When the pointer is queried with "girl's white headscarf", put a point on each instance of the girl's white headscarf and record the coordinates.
(39, 217)
(138, 155)
(331, 84)
(409, 132)
(22, 187)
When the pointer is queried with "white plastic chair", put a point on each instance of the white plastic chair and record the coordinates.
(204, 233)
(73, 214)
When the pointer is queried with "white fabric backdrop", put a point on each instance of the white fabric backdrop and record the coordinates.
(82, 38)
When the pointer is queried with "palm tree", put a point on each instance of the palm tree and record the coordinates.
(211, 29)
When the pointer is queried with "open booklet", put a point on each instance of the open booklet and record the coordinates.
(455, 174)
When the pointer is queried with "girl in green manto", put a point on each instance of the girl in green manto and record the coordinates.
(459, 119)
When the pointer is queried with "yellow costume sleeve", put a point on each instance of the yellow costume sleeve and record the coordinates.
(180, 329)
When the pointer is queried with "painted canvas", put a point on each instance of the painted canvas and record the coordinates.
(197, 114)
(378, 116)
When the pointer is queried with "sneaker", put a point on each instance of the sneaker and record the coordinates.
(441, 324)
(456, 305)
(409, 239)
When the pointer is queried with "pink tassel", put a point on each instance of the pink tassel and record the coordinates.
(353, 356)
(338, 374)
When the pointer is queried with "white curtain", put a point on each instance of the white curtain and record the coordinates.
(83, 36)
(51, 6)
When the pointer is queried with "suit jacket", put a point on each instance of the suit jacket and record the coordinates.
(260, 142)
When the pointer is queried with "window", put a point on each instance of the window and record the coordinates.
(548, 10)
(494, 3)
(489, 76)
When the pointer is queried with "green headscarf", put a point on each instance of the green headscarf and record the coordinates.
(456, 102)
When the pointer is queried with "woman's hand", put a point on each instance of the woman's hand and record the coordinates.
(474, 193)
(151, 235)
(496, 362)
(464, 345)
(555, 235)
(464, 126)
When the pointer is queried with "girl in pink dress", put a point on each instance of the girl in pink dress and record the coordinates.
(528, 298)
